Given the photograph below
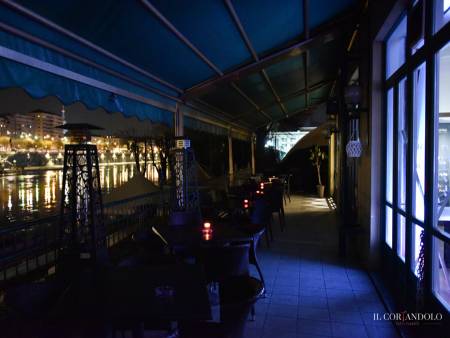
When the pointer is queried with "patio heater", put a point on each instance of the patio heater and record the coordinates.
(184, 207)
(82, 228)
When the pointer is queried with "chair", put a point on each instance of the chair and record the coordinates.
(286, 180)
(238, 291)
(260, 215)
(238, 296)
(275, 197)
(223, 262)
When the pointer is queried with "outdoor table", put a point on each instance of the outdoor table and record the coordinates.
(191, 236)
(131, 293)
(221, 234)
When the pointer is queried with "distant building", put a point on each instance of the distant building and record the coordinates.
(20, 124)
(44, 124)
(37, 124)
(284, 141)
(4, 123)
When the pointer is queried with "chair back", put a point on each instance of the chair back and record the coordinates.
(224, 262)
(261, 211)
(237, 296)
(185, 218)
(275, 196)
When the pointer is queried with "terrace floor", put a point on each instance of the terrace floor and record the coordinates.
(311, 292)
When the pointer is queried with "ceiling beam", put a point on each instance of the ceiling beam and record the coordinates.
(300, 111)
(252, 50)
(188, 43)
(306, 54)
(322, 36)
(179, 35)
(249, 100)
(300, 92)
(230, 118)
(303, 91)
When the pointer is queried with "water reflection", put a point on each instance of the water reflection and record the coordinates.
(37, 194)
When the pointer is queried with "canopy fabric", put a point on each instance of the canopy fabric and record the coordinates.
(242, 62)
(137, 186)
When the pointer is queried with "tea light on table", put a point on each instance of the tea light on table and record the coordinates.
(245, 204)
(207, 231)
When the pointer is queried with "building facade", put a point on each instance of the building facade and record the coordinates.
(36, 124)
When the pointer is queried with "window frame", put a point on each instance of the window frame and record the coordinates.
(426, 53)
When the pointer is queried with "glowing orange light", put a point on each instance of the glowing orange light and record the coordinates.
(207, 225)
(207, 236)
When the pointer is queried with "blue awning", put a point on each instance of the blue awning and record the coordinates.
(141, 57)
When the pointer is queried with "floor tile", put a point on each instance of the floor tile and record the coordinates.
(282, 310)
(314, 327)
(311, 292)
(353, 317)
(313, 313)
(285, 299)
(277, 324)
(342, 330)
(315, 302)
(382, 332)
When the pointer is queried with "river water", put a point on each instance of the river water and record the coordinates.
(36, 194)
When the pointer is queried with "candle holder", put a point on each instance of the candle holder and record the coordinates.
(207, 231)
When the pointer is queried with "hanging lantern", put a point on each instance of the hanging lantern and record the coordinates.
(354, 146)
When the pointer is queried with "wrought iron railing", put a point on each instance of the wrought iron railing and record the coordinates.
(32, 247)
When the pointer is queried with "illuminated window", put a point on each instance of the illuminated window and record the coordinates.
(395, 48)
(441, 13)
(418, 187)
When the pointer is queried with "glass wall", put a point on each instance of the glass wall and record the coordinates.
(389, 164)
(416, 199)
(441, 258)
(418, 188)
(442, 13)
(395, 48)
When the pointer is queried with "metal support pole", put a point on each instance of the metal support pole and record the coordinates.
(252, 145)
(179, 123)
(230, 157)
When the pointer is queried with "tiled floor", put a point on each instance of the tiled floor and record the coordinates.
(310, 291)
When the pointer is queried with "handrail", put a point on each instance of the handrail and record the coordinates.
(52, 217)
(24, 245)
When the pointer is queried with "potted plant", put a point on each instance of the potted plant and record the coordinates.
(316, 157)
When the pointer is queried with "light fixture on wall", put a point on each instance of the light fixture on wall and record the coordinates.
(332, 108)
(353, 96)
